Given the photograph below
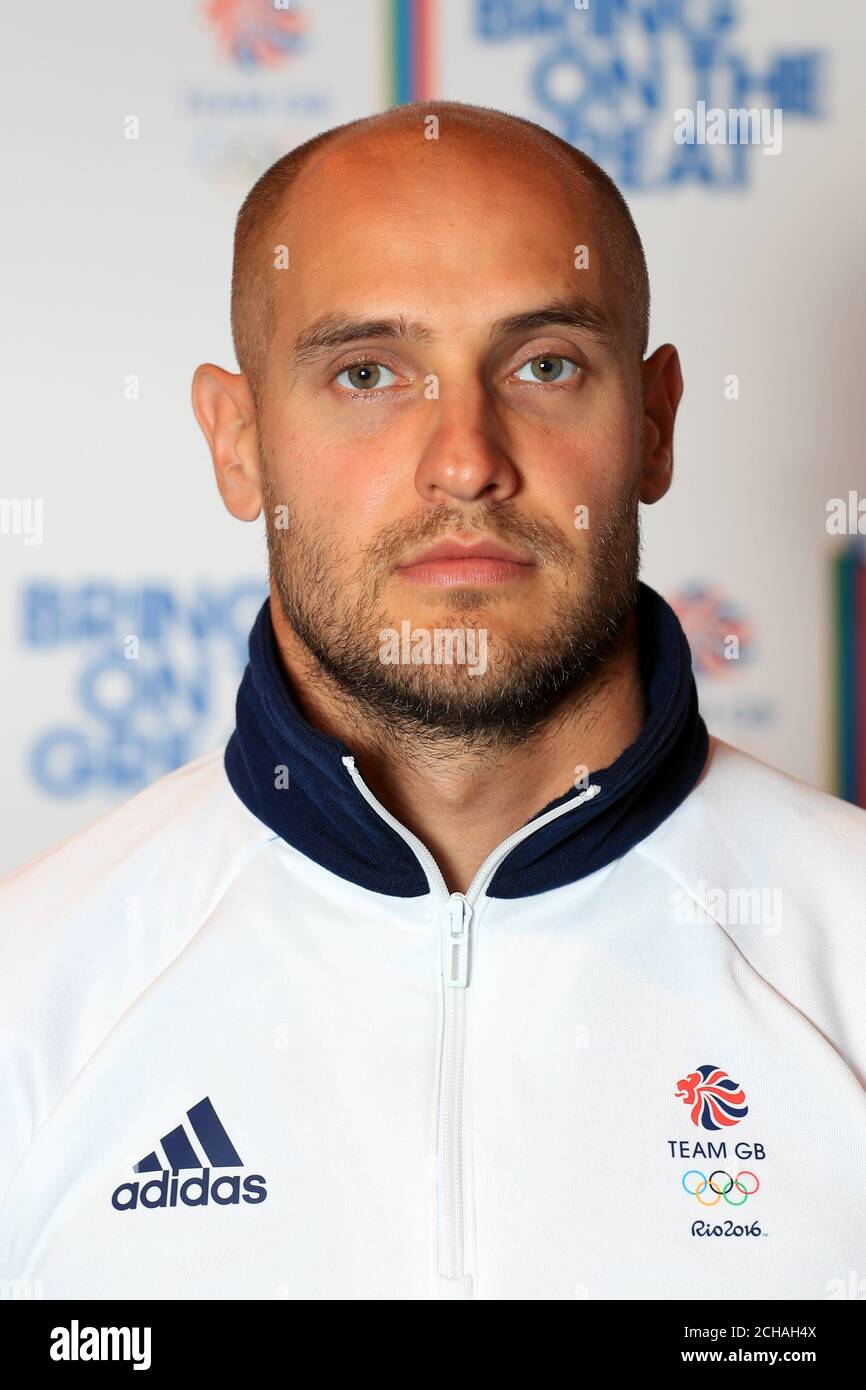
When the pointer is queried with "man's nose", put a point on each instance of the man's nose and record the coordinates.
(465, 457)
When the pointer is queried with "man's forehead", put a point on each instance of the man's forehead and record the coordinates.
(395, 173)
(470, 236)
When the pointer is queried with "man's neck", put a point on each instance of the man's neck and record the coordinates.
(463, 803)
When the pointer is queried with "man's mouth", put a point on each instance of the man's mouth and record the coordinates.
(451, 562)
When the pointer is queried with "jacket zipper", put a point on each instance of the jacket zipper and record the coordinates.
(456, 910)
(455, 973)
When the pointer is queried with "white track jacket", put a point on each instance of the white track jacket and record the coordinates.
(252, 1047)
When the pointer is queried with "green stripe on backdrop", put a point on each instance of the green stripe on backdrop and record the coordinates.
(389, 59)
(397, 36)
(846, 778)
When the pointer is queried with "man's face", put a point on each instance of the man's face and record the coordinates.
(465, 429)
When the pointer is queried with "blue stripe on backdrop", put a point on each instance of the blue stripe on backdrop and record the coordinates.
(403, 37)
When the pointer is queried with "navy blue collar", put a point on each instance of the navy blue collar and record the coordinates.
(322, 813)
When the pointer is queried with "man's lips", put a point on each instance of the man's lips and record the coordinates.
(480, 562)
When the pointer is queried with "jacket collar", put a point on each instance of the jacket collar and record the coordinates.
(321, 812)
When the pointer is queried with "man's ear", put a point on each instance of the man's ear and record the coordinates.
(662, 381)
(224, 407)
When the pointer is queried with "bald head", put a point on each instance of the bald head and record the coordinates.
(510, 140)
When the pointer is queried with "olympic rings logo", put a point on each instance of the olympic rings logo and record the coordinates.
(719, 1190)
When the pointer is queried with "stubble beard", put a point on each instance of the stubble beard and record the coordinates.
(527, 680)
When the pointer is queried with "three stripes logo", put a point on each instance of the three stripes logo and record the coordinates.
(215, 1150)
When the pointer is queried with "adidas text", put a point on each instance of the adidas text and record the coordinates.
(167, 1191)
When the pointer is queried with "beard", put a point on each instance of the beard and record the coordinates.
(527, 678)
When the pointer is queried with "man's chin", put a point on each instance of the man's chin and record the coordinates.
(432, 603)
(472, 691)
(476, 641)
(466, 674)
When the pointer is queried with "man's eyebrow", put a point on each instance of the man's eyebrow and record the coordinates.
(337, 330)
(571, 313)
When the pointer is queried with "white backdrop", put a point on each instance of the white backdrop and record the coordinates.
(116, 272)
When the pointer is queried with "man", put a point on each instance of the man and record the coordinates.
(471, 967)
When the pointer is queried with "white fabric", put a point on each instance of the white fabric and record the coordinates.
(177, 950)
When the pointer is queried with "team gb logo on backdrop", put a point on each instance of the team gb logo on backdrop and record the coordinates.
(257, 33)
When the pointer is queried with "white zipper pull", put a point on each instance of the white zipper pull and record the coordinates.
(455, 954)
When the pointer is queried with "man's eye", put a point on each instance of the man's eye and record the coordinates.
(548, 368)
(366, 376)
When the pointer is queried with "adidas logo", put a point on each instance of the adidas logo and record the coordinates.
(216, 1150)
